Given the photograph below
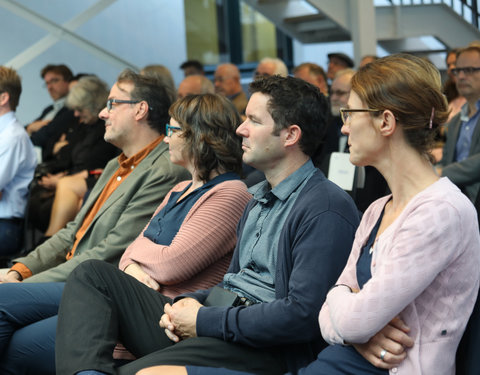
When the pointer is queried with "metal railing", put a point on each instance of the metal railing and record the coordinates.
(467, 9)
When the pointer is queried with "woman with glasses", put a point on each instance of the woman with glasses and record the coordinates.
(187, 245)
(404, 298)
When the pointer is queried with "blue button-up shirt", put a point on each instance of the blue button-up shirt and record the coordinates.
(17, 165)
(467, 128)
(259, 243)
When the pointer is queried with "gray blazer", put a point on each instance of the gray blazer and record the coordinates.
(118, 222)
(466, 173)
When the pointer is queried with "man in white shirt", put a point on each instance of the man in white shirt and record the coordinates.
(17, 164)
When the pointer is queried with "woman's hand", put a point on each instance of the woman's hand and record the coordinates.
(136, 271)
(392, 341)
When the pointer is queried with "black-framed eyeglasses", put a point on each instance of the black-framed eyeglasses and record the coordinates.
(170, 129)
(52, 81)
(111, 102)
(468, 70)
(346, 113)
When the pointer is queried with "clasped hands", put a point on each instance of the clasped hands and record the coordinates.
(180, 319)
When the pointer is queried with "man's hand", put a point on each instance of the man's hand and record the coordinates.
(11, 277)
(180, 319)
(50, 181)
(36, 126)
(137, 272)
(394, 339)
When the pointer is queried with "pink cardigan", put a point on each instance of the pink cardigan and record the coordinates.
(425, 268)
(200, 252)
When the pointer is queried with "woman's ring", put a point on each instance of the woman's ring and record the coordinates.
(382, 354)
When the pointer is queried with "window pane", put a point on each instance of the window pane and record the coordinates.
(202, 31)
(258, 35)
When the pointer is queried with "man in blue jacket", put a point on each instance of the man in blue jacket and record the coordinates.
(293, 241)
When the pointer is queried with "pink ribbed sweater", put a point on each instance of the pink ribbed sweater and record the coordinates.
(200, 252)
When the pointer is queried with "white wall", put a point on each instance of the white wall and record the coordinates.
(139, 31)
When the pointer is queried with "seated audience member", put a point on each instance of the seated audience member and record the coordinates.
(227, 83)
(195, 85)
(87, 151)
(125, 195)
(410, 284)
(163, 75)
(187, 245)
(281, 269)
(17, 164)
(455, 100)
(314, 74)
(56, 118)
(85, 156)
(192, 67)
(269, 66)
(461, 152)
(338, 61)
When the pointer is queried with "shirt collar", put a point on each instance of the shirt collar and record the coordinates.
(263, 193)
(465, 109)
(134, 160)
(7, 119)
(59, 103)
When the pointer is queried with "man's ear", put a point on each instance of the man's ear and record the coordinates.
(142, 110)
(388, 124)
(292, 135)
(4, 98)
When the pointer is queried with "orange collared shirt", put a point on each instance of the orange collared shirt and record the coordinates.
(126, 167)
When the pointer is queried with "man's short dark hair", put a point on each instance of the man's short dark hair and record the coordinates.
(294, 101)
(61, 69)
(153, 92)
(197, 65)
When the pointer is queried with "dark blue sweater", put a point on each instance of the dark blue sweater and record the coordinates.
(313, 248)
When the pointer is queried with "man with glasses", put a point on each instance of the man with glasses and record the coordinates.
(56, 118)
(127, 192)
(461, 152)
(17, 164)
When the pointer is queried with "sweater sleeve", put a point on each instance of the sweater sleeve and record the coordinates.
(205, 236)
(408, 256)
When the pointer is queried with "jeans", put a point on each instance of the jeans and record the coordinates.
(28, 320)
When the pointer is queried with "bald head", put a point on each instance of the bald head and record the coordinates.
(269, 66)
(227, 80)
(195, 84)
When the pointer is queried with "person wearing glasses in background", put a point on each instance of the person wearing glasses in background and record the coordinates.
(403, 300)
(117, 209)
(56, 118)
(187, 244)
(461, 152)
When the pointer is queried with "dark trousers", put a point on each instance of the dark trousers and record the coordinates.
(102, 305)
(11, 236)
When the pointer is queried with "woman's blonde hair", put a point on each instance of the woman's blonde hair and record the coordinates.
(410, 87)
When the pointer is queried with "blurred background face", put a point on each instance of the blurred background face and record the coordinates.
(334, 65)
(85, 116)
(265, 69)
(468, 85)
(57, 87)
(339, 94)
(225, 83)
(451, 60)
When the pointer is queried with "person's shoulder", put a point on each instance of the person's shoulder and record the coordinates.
(235, 188)
(320, 195)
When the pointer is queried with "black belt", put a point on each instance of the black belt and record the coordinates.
(14, 220)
